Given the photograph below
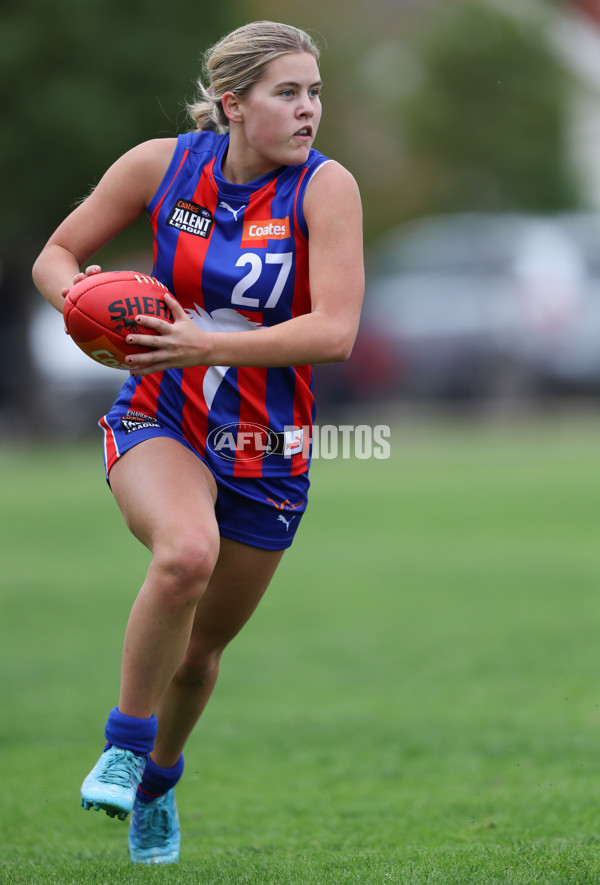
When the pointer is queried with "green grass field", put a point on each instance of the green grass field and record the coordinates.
(416, 701)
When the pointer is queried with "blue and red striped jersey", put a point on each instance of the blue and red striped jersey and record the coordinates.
(236, 258)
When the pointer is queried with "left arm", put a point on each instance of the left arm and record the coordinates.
(333, 214)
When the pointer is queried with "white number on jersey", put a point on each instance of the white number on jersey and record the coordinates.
(238, 296)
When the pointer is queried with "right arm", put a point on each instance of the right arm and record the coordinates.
(121, 196)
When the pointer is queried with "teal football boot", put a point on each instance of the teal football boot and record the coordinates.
(154, 835)
(112, 783)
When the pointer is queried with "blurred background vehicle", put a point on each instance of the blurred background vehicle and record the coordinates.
(464, 307)
(72, 390)
(478, 305)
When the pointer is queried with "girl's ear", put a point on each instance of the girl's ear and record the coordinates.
(231, 107)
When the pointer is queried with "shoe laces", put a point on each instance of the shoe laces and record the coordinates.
(153, 822)
(123, 769)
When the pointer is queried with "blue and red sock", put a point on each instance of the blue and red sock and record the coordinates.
(138, 735)
(130, 733)
(157, 781)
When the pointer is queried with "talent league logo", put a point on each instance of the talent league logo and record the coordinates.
(133, 421)
(191, 218)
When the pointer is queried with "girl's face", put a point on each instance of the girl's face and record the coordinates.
(280, 114)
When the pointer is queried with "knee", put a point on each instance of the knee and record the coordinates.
(185, 564)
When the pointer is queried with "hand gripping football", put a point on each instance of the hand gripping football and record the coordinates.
(100, 313)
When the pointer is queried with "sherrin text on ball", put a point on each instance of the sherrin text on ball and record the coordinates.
(100, 312)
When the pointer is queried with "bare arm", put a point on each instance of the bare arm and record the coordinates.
(120, 197)
(326, 334)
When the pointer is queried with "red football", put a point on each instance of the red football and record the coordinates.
(100, 312)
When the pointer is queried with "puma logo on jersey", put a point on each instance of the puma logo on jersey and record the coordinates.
(229, 208)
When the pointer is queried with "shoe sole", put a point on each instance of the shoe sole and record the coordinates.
(171, 858)
(109, 809)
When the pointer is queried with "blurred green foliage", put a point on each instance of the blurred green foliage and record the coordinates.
(80, 83)
(441, 106)
(486, 125)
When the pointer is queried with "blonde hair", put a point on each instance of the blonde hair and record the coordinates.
(237, 62)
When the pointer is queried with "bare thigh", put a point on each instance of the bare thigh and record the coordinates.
(165, 493)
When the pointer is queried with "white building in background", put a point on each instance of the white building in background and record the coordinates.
(575, 34)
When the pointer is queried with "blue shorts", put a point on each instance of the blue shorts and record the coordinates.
(259, 512)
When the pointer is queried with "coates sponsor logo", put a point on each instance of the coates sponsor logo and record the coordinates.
(191, 218)
(267, 229)
(250, 442)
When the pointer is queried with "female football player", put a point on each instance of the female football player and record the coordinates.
(258, 238)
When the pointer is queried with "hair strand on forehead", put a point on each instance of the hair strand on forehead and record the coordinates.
(237, 62)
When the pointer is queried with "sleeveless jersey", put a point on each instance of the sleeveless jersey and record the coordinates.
(236, 259)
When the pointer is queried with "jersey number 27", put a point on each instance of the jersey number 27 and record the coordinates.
(238, 296)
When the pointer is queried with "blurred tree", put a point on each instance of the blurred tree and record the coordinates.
(80, 83)
(366, 65)
(441, 106)
(485, 127)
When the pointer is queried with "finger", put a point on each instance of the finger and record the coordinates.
(146, 341)
(175, 307)
(76, 279)
(157, 325)
(137, 373)
(153, 352)
(147, 368)
(89, 271)
(151, 358)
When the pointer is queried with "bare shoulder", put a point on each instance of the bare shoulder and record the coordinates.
(147, 163)
(332, 193)
(156, 150)
(331, 178)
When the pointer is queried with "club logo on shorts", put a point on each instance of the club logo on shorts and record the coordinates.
(133, 420)
(285, 521)
(191, 218)
(286, 504)
(251, 442)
